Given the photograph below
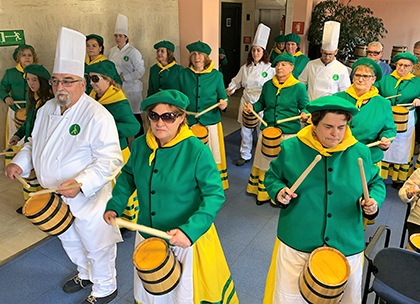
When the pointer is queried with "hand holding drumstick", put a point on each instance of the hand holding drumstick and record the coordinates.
(222, 104)
(369, 205)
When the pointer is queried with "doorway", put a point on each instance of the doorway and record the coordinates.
(273, 19)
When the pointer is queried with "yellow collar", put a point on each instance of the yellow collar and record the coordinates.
(112, 95)
(359, 100)
(208, 70)
(183, 133)
(406, 77)
(96, 60)
(166, 67)
(298, 54)
(306, 135)
(291, 81)
(277, 50)
(20, 69)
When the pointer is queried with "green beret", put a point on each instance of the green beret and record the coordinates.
(22, 47)
(97, 37)
(173, 97)
(407, 56)
(293, 38)
(37, 70)
(106, 68)
(371, 63)
(331, 103)
(165, 44)
(280, 38)
(283, 57)
(199, 46)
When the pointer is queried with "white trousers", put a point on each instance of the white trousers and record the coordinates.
(97, 266)
(246, 142)
(289, 265)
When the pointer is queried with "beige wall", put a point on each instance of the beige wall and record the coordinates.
(149, 22)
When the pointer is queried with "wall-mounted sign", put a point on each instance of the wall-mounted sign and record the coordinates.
(247, 40)
(298, 28)
(11, 38)
(228, 22)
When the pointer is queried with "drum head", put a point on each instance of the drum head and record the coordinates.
(150, 254)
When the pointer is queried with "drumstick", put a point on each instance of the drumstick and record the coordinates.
(254, 90)
(363, 177)
(305, 173)
(258, 117)
(389, 97)
(378, 142)
(405, 105)
(23, 101)
(290, 118)
(208, 109)
(10, 152)
(8, 147)
(141, 228)
(22, 181)
(71, 186)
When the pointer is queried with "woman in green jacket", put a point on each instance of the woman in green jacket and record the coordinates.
(179, 192)
(110, 95)
(164, 73)
(13, 88)
(282, 97)
(203, 84)
(292, 47)
(280, 41)
(375, 121)
(398, 160)
(327, 208)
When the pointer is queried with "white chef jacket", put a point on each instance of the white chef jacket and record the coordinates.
(130, 63)
(322, 80)
(81, 144)
(252, 79)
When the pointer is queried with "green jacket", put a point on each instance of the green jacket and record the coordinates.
(181, 189)
(409, 89)
(163, 80)
(14, 85)
(327, 209)
(25, 131)
(203, 90)
(300, 63)
(290, 102)
(374, 121)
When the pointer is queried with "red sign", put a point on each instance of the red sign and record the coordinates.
(298, 28)
(247, 40)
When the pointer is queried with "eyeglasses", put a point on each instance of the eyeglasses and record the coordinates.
(406, 66)
(95, 78)
(358, 76)
(66, 83)
(166, 117)
(328, 54)
(372, 53)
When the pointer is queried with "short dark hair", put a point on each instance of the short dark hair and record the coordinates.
(317, 116)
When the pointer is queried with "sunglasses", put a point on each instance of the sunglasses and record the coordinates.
(166, 117)
(372, 53)
(95, 78)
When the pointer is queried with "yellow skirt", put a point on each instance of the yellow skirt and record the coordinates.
(222, 166)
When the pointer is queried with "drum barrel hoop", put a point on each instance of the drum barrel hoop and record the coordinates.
(66, 228)
(401, 122)
(268, 155)
(271, 147)
(60, 223)
(272, 138)
(47, 219)
(163, 278)
(168, 290)
(414, 247)
(157, 268)
(322, 285)
(43, 209)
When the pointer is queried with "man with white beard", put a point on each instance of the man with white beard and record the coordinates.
(75, 140)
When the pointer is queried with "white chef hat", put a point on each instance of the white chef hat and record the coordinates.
(70, 53)
(121, 27)
(261, 36)
(330, 36)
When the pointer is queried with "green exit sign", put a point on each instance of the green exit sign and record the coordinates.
(11, 38)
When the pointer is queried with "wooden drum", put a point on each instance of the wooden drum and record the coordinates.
(271, 138)
(414, 242)
(20, 116)
(400, 118)
(201, 132)
(157, 266)
(49, 213)
(324, 276)
(249, 120)
(360, 51)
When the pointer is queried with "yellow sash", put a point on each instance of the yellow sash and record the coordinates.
(406, 77)
(96, 60)
(166, 67)
(113, 94)
(298, 54)
(277, 50)
(20, 69)
(291, 81)
(208, 70)
(359, 100)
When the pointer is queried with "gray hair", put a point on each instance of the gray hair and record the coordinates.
(376, 43)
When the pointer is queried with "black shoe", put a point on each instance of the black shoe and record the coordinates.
(94, 300)
(259, 203)
(76, 284)
(274, 205)
(397, 185)
(19, 210)
(241, 162)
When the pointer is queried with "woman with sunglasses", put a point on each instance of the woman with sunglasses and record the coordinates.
(39, 92)
(203, 84)
(164, 73)
(109, 94)
(180, 192)
(398, 160)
